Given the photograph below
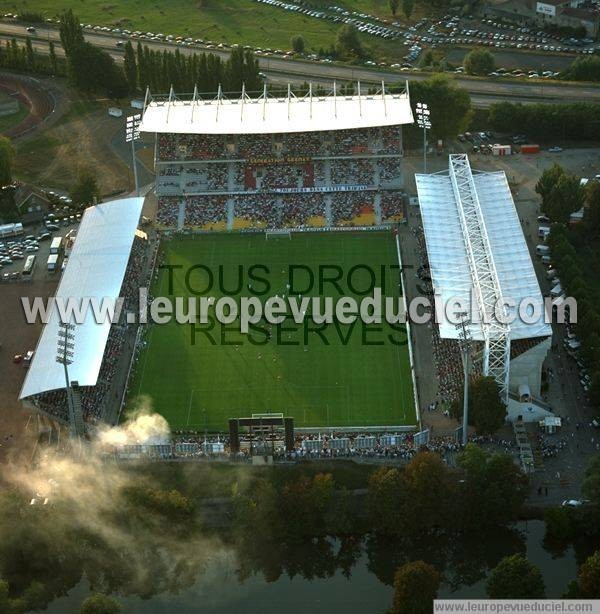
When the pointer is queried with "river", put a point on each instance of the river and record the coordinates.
(320, 584)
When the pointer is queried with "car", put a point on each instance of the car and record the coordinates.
(51, 226)
(44, 236)
(555, 149)
(543, 219)
(17, 358)
(30, 30)
(574, 502)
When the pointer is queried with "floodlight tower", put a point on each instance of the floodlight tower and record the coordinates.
(424, 121)
(65, 349)
(464, 342)
(132, 134)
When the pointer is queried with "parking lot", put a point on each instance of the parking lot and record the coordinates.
(35, 241)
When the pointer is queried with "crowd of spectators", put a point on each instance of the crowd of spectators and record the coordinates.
(303, 143)
(337, 143)
(389, 170)
(345, 206)
(392, 205)
(252, 145)
(352, 172)
(282, 176)
(168, 210)
(202, 210)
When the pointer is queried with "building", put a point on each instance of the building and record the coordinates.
(478, 254)
(33, 204)
(313, 160)
(98, 267)
(559, 13)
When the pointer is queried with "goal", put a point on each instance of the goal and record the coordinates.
(278, 234)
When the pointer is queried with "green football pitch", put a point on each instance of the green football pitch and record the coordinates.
(198, 375)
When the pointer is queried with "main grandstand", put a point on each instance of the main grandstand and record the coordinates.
(109, 259)
(298, 161)
(475, 247)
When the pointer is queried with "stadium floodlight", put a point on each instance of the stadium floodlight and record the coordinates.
(65, 350)
(464, 342)
(132, 134)
(424, 121)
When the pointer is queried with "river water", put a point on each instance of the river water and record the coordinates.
(319, 584)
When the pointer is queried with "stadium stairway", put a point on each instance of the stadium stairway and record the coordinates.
(181, 214)
(230, 213)
(328, 214)
(377, 206)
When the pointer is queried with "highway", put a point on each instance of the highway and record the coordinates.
(483, 92)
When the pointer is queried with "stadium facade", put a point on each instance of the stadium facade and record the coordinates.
(296, 161)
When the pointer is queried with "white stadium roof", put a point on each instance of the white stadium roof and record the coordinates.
(268, 115)
(96, 268)
(449, 260)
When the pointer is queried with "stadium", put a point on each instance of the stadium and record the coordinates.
(311, 183)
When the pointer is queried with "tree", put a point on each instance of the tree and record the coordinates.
(591, 213)
(565, 198)
(430, 492)
(449, 105)
(29, 54)
(515, 578)
(53, 60)
(493, 489)
(488, 409)
(71, 33)
(130, 67)
(298, 43)
(487, 412)
(394, 4)
(416, 585)
(387, 500)
(589, 577)
(7, 156)
(407, 7)
(348, 41)
(583, 69)
(479, 62)
(85, 190)
(98, 603)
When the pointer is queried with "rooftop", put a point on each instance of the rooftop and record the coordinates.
(270, 115)
(96, 268)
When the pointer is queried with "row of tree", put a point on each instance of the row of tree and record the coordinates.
(583, 69)
(23, 58)
(573, 120)
(563, 194)
(161, 69)
(423, 498)
(92, 69)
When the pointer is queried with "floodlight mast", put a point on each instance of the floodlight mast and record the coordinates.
(464, 342)
(65, 349)
(132, 134)
(424, 121)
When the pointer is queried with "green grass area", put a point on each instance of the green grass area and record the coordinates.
(198, 376)
(9, 121)
(228, 21)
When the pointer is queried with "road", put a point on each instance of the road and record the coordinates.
(483, 92)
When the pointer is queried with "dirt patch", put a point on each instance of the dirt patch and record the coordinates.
(16, 337)
(82, 137)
